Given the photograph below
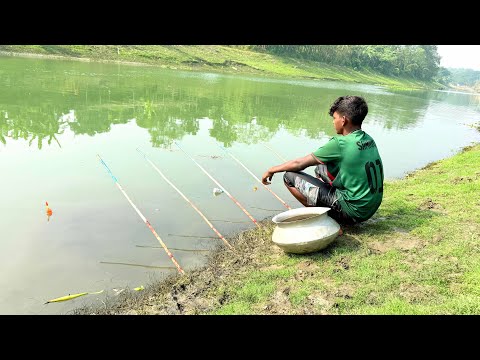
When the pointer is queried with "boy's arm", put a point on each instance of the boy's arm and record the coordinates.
(291, 165)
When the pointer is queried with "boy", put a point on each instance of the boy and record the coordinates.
(349, 172)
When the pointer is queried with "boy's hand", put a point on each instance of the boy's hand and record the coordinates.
(267, 177)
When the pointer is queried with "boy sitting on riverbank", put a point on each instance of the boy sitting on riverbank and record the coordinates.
(349, 171)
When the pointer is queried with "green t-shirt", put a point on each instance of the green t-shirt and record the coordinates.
(356, 164)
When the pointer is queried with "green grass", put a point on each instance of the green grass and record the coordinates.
(258, 287)
(237, 308)
(220, 59)
(420, 254)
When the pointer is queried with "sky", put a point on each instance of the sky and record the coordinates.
(460, 56)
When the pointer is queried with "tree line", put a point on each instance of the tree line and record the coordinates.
(467, 77)
(410, 61)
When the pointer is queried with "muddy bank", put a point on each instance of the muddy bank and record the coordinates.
(198, 291)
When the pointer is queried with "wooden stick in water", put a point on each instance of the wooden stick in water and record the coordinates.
(186, 199)
(170, 255)
(221, 187)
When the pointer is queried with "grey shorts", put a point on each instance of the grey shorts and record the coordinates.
(318, 192)
(322, 173)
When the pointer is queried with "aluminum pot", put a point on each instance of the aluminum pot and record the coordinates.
(304, 230)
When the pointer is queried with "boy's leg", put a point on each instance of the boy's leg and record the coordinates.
(311, 191)
(306, 189)
(298, 195)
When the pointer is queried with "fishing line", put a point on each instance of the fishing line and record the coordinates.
(132, 264)
(280, 156)
(157, 247)
(256, 178)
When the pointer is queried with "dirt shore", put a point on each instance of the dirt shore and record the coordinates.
(198, 291)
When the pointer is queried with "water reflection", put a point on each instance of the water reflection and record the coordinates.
(41, 99)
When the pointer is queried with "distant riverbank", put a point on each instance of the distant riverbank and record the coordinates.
(465, 89)
(212, 58)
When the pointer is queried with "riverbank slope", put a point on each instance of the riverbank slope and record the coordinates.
(214, 58)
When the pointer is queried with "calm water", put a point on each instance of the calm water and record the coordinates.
(56, 116)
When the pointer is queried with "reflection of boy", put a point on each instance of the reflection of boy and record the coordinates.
(349, 171)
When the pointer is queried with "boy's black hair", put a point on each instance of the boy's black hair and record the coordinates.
(353, 107)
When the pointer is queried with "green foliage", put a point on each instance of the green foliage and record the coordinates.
(421, 62)
(444, 76)
(476, 88)
(466, 77)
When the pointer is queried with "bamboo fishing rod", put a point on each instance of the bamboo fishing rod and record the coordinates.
(186, 199)
(170, 255)
(279, 156)
(221, 187)
(256, 178)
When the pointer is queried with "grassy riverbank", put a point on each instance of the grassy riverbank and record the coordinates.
(214, 58)
(419, 254)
